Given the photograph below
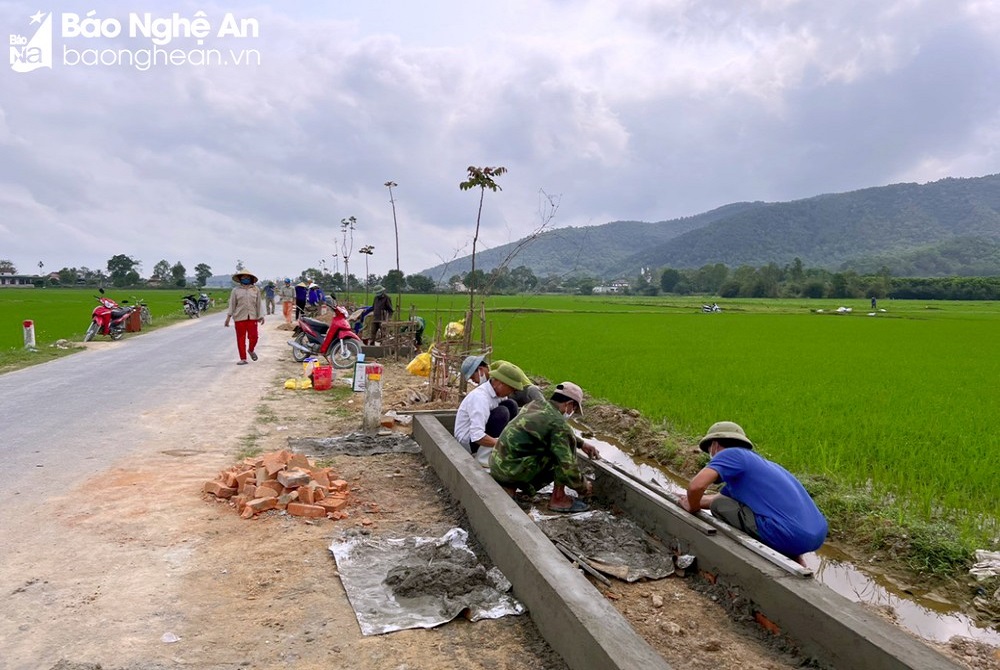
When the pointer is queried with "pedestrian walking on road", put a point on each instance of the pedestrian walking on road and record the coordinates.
(269, 297)
(287, 295)
(246, 310)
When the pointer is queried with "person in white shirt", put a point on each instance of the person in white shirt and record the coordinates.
(478, 423)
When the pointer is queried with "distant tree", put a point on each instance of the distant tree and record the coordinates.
(523, 278)
(669, 279)
(161, 271)
(7, 267)
(67, 276)
(481, 178)
(420, 283)
(394, 281)
(586, 287)
(203, 272)
(177, 272)
(122, 270)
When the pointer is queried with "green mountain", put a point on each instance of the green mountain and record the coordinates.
(947, 227)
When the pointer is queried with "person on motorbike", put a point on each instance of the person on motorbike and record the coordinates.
(246, 309)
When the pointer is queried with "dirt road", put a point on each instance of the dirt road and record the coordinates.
(129, 566)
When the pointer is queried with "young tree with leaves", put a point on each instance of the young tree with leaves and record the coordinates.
(482, 178)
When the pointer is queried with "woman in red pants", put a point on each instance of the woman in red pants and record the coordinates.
(245, 308)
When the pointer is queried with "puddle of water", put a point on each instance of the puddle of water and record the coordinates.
(923, 616)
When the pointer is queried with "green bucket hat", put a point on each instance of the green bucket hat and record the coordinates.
(721, 430)
(509, 374)
(378, 289)
(525, 379)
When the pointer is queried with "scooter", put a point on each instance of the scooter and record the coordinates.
(108, 318)
(334, 341)
(191, 306)
(714, 307)
(203, 301)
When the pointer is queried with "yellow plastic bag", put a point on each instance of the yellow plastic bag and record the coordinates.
(305, 383)
(454, 330)
(420, 365)
(291, 384)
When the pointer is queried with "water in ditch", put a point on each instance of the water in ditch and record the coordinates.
(918, 613)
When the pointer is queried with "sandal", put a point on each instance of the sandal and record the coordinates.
(577, 506)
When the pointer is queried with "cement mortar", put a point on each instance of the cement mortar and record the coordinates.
(355, 444)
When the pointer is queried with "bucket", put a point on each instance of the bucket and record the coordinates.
(322, 377)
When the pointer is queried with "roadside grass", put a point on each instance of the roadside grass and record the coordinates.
(249, 445)
(64, 313)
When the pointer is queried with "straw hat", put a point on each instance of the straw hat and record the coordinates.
(722, 430)
(245, 273)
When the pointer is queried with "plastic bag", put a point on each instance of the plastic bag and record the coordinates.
(454, 330)
(420, 365)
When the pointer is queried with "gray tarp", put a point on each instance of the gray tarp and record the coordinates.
(418, 582)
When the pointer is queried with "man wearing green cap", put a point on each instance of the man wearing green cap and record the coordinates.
(481, 417)
(381, 311)
(538, 447)
(759, 497)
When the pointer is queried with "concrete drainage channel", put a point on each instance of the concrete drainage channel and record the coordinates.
(589, 633)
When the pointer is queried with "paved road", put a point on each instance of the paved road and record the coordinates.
(69, 418)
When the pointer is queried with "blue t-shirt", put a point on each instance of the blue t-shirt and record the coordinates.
(787, 518)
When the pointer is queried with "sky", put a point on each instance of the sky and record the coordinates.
(274, 122)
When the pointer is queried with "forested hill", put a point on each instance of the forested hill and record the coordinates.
(948, 227)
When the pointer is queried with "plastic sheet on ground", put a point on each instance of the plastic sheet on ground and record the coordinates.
(418, 582)
(987, 565)
(615, 546)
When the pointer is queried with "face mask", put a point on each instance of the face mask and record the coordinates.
(569, 414)
(245, 281)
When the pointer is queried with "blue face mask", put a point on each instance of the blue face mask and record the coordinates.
(245, 281)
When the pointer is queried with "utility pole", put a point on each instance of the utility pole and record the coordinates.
(347, 228)
(399, 297)
(367, 250)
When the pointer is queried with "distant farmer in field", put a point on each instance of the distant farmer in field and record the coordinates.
(760, 497)
(480, 418)
(538, 447)
(246, 310)
(381, 311)
(287, 295)
(874, 302)
(269, 297)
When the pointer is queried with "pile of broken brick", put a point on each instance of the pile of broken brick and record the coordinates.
(281, 480)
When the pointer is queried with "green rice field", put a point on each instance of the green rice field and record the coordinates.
(903, 405)
(64, 313)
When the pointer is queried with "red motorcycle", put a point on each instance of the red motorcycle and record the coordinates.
(335, 341)
(108, 318)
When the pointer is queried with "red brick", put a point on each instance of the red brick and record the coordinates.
(250, 490)
(339, 486)
(298, 461)
(286, 498)
(244, 477)
(333, 504)
(271, 486)
(301, 509)
(247, 512)
(293, 478)
(321, 477)
(306, 494)
(262, 504)
(766, 623)
(219, 490)
(275, 461)
(229, 477)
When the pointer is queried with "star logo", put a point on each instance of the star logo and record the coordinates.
(37, 17)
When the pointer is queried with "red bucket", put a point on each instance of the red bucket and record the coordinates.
(322, 377)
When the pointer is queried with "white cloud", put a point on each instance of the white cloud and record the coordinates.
(644, 110)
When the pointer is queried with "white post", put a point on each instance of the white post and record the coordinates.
(29, 335)
(372, 419)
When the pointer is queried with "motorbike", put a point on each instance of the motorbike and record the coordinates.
(108, 318)
(203, 301)
(335, 341)
(191, 306)
(714, 307)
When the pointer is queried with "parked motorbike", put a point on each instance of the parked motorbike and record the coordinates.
(335, 341)
(203, 301)
(191, 306)
(108, 318)
(714, 307)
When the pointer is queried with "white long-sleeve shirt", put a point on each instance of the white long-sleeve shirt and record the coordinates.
(470, 421)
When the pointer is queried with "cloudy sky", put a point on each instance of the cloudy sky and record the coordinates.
(641, 110)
